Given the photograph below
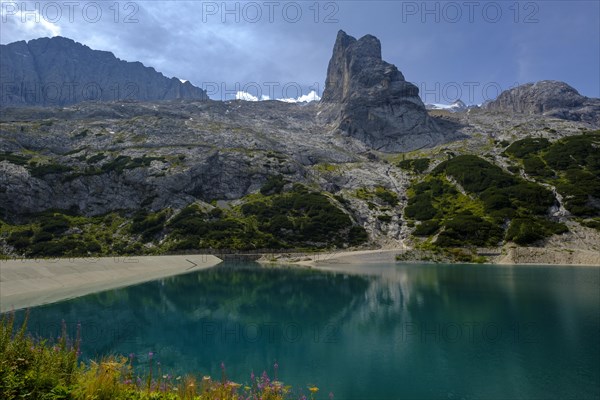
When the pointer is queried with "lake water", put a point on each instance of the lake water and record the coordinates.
(363, 332)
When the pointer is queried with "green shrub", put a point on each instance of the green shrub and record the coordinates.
(573, 152)
(466, 229)
(20, 239)
(147, 224)
(591, 224)
(54, 224)
(387, 196)
(527, 146)
(357, 236)
(46, 249)
(274, 185)
(96, 158)
(475, 174)
(14, 158)
(420, 207)
(514, 169)
(121, 163)
(526, 231)
(486, 180)
(41, 170)
(417, 165)
(426, 228)
(534, 166)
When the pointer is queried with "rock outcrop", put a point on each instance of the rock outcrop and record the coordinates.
(369, 99)
(550, 98)
(59, 71)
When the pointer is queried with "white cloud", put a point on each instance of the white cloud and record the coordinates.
(18, 25)
(245, 96)
(307, 98)
(249, 97)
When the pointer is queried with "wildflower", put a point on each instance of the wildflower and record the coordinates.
(222, 365)
(150, 355)
(313, 389)
(277, 385)
(252, 376)
(206, 378)
(331, 396)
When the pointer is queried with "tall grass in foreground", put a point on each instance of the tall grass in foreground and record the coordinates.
(33, 368)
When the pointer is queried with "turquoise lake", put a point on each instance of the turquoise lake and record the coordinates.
(361, 332)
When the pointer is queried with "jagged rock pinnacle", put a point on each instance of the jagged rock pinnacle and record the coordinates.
(368, 98)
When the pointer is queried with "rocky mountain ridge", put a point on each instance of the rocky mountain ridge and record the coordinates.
(369, 99)
(549, 98)
(59, 71)
(146, 160)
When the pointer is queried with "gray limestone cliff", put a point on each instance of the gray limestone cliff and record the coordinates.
(369, 99)
(59, 71)
(550, 98)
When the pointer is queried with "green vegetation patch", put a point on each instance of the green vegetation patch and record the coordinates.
(384, 195)
(499, 190)
(526, 231)
(62, 234)
(96, 158)
(469, 229)
(14, 158)
(41, 170)
(301, 217)
(571, 164)
(478, 217)
(417, 165)
(274, 185)
(524, 147)
(121, 163)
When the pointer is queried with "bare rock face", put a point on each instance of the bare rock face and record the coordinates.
(59, 71)
(369, 99)
(550, 98)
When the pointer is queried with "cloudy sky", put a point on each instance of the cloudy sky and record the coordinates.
(464, 49)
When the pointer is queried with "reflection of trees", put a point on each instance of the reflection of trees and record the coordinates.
(260, 294)
(214, 312)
